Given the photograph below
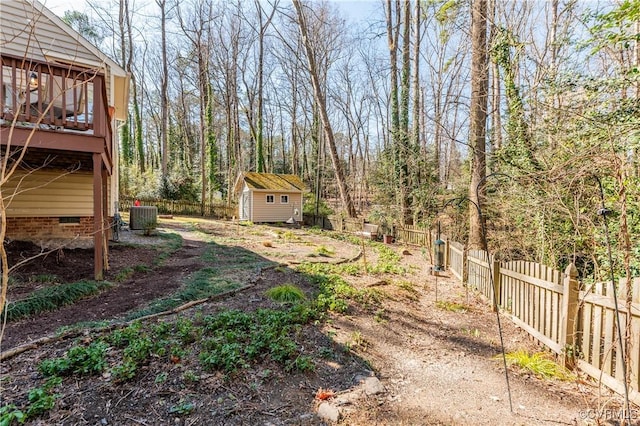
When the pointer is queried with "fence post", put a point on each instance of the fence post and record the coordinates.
(465, 267)
(569, 314)
(495, 264)
(446, 253)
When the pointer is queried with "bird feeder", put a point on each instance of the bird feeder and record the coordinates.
(438, 258)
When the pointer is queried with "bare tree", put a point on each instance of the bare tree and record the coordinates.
(321, 104)
(445, 56)
(127, 46)
(263, 28)
(197, 32)
(226, 65)
(164, 92)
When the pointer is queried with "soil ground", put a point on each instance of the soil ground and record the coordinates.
(437, 365)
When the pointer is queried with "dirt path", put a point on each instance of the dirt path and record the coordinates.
(440, 368)
(437, 366)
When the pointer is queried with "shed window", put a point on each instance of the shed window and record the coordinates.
(271, 199)
(284, 199)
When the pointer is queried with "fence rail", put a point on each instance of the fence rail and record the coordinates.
(186, 208)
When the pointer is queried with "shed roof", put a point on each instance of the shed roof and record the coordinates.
(271, 182)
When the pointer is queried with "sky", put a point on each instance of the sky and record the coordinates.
(358, 10)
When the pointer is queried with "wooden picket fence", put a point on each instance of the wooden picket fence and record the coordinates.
(183, 208)
(575, 323)
(600, 357)
(534, 295)
(578, 325)
(456, 259)
(479, 272)
(414, 235)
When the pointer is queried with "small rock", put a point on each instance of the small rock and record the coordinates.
(329, 412)
(373, 386)
(495, 398)
(104, 421)
(361, 377)
(347, 398)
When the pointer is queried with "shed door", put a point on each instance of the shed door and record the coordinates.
(297, 213)
(246, 206)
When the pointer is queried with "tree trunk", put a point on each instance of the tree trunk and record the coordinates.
(404, 151)
(294, 130)
(417, 92)
(393, 34)
(164, 94)
(496, 122)
(478, 120)
(322, 109)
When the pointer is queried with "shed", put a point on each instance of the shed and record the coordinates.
(269, 197)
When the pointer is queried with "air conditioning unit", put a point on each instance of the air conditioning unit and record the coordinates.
(143, 217)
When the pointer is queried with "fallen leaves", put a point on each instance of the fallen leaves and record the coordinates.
(324, 394)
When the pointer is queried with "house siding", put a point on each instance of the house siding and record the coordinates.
(276, 212)
(47, 194)
(47, 39)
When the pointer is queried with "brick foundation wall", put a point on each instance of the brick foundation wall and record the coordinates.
(48, 231)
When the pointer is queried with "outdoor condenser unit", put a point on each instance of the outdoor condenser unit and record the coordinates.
(143, 217)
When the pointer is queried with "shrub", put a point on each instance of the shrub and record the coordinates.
(452, 306)
(82, 360)
(10, 414)
(286, 293)
(41, 399)
(539, 364)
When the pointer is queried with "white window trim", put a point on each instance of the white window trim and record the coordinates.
(284, 202)
(267, 199)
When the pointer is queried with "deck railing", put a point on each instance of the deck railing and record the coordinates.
(52, 96)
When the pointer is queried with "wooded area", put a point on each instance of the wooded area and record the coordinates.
(510, 122)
